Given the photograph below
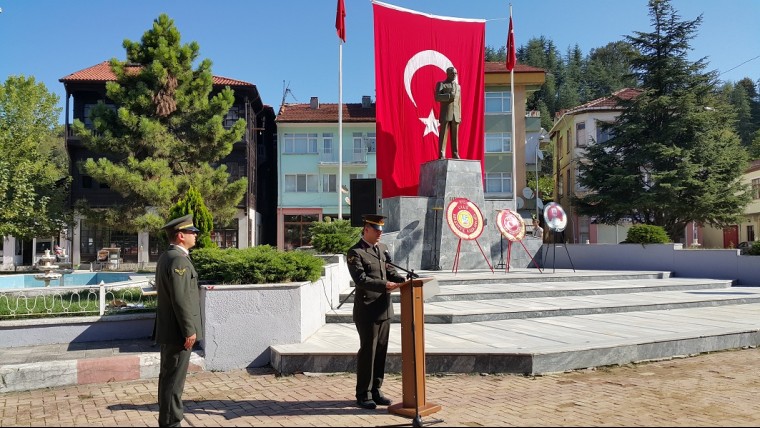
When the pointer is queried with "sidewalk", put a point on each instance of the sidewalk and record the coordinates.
(717, 389)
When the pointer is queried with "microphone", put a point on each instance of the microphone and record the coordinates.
(388, 256)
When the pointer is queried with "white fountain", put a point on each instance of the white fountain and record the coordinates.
(45, 264)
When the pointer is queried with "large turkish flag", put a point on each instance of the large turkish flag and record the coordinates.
(412, 52)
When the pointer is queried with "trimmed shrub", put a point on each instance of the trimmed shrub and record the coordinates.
(334, 237)
(647, 234)
(754, 249)
(258, 265)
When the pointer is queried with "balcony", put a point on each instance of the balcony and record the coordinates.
(331, 159)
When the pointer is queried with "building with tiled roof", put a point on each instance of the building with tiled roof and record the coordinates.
(312, 184)
(573, 130)
(253, 157)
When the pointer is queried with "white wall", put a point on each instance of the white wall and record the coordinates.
(242, 321)
(686, 263)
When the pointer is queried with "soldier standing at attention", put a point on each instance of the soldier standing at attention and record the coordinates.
(178, 317)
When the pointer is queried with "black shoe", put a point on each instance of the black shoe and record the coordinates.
(366, 404)
(380, 399)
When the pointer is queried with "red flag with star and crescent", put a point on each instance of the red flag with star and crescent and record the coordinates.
(412, 52)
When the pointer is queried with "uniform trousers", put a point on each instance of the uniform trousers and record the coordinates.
(175, 360)
(370, 360)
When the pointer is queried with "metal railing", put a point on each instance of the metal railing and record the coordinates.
(102, 299)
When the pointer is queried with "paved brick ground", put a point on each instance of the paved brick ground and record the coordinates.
(718, 389)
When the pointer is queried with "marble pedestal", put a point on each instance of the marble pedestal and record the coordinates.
(420, 238)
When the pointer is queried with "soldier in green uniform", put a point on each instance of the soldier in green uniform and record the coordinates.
(178, 317)
(374, 279)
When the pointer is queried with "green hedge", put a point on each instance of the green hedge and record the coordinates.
(334, 237)
(263, 264)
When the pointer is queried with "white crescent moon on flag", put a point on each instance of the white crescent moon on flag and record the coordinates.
(419, 60)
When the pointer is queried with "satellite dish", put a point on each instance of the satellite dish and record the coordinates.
(539, 203)
(520, 202)
(539, 153)
(348, 200)
(528, 193)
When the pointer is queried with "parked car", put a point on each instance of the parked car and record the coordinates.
(743, 247)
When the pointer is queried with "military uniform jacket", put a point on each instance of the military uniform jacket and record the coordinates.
(178, 314)
(370, 272)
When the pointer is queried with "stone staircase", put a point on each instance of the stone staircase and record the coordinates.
(539, 323)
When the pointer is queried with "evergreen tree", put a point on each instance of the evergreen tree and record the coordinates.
(192, 203)
(33, 166)
(608, 70)
(674, 156)
(164, 135)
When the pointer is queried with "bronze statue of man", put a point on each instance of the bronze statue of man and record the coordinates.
(449, 94)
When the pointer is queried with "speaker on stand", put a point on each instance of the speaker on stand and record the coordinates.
(366, 198)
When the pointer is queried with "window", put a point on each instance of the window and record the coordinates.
(560, 185)
(234, 114)
(301, 183)
(569, 142)
(498, 102)
(580, 134)
(360, 149)
(371, 143)
(88, 114)
(353, 176)
(330, 183)
(297, 229)
(328, 150)
(225, 238)
(498, 142)
(750, 233)
(602, 134)
(756, 188)
(236, 170)
(498, 182)
(300, 143)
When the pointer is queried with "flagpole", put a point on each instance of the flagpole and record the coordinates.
(514, 130)
(340, 130)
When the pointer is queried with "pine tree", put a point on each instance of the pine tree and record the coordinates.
(164, 135)
(674, 156)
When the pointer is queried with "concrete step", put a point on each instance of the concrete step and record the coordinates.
(518, 290)
(537, 346)
(582, 299)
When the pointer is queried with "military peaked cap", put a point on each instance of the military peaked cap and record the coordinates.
(374, 220)
(184, 224)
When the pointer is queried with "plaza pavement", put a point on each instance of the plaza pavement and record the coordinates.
(114, 383)
(715, 389)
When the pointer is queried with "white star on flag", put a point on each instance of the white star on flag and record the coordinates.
(431, 124)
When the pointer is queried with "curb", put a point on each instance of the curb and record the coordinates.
(50, 374)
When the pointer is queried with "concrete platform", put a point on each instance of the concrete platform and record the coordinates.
(535, 323)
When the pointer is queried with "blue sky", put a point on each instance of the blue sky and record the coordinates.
(293, 42)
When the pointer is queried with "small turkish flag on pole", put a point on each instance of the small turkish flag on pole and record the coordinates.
(511, 54)
(340, 21)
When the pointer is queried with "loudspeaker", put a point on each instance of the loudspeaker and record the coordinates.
(366, 198)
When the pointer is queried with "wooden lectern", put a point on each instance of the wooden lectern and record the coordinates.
(414, 404)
